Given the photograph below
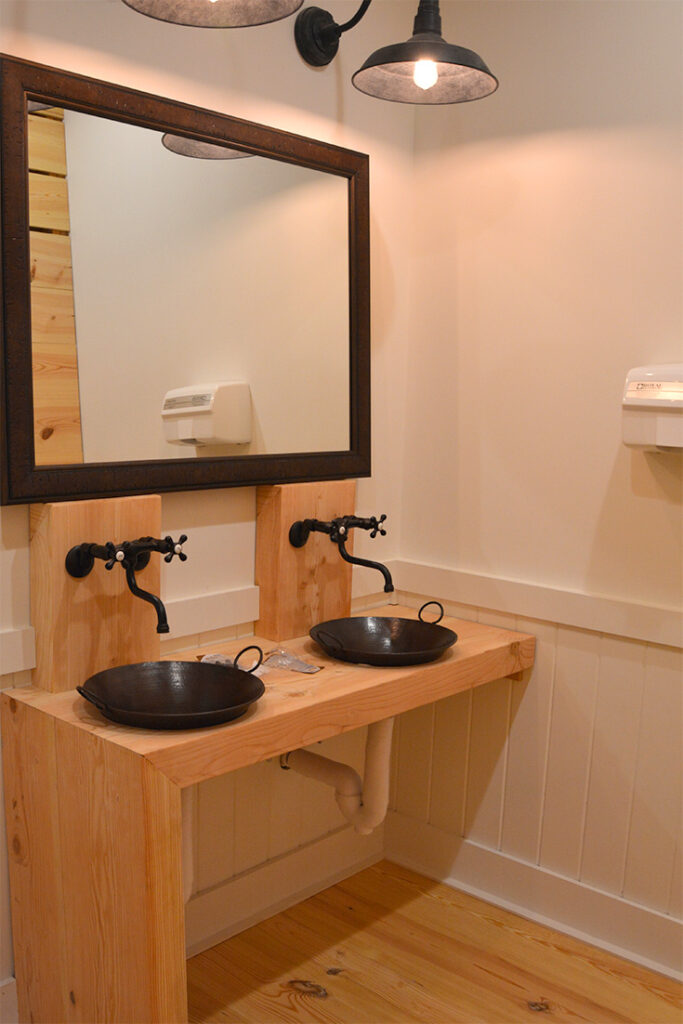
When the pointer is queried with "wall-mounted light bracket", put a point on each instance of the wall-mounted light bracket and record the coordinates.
(317, 34)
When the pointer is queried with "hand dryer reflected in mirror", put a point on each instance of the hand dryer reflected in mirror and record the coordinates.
(208, 414)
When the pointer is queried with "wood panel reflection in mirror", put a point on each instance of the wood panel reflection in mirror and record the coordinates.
(130, 270)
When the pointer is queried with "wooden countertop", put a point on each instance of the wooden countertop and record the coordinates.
(298, 709)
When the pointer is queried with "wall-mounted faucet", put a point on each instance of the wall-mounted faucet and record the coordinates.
(338, 532)
(132, 555)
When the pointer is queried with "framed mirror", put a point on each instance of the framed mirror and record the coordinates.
(185, 296)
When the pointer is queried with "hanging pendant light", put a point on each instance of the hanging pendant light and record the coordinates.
(216, 13)
(423, 69)
(200, 150)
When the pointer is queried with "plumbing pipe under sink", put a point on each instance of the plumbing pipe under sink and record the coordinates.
(363, 803)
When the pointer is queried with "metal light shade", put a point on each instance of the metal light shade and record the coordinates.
(458, 74)
(216, 13)
(200, 150)
(388, 73)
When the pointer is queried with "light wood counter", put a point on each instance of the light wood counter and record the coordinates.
(94, 814)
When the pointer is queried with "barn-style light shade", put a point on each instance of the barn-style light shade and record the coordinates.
(216, 13)
(200, 150)
(425, 68)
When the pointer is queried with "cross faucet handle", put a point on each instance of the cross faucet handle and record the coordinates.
(377, 526)
(175, 548)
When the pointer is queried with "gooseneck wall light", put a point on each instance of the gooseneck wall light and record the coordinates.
(423, 69)
(216, 13)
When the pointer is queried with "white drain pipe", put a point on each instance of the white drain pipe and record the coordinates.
(363, 803)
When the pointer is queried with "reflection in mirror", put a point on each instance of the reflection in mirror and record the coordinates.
(150, 272)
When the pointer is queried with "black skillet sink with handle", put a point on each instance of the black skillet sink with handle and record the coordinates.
(385, 640)
(175, 694)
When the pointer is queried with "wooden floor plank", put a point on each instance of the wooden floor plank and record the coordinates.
(388, 946)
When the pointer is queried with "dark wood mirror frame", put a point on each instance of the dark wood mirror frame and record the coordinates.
(21, 480)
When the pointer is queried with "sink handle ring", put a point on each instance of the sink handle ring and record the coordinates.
(99, 704)
(251, 647)
(426, 605)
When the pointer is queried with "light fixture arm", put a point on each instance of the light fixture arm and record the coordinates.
(428, 18)
(317, 34)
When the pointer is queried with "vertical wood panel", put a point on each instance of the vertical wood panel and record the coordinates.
(252, 809)
(215, 860)
(488, 750)
(612, 769)
(452, 718)
(287, 792)
(527, 746)
(415, 760)
(487, 762)
(656, 814)
(675, 907)
(571, 730)
(395, 761)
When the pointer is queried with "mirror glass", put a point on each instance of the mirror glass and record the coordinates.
(153, 271)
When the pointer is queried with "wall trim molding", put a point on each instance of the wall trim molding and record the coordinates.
(17, 650)
(626, 929)
(203, 613)
(269, 888)
(653, 624)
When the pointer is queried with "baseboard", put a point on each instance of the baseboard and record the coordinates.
(594, 612)
(626, 929)
(241, 902)
(9, 1009)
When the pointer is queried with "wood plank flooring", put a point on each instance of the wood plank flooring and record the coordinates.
(388, 946)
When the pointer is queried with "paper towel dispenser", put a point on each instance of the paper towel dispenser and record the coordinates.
(203, 414)
(652, 407)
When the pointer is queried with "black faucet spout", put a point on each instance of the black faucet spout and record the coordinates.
(162, 623)
(388, 582)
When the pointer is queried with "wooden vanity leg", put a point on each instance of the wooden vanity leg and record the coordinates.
(95, 846)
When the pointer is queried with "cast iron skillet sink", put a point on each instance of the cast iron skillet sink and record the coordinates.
(174, 694)
(376, 640)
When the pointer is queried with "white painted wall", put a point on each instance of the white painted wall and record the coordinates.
(548, 263)
(543, 233)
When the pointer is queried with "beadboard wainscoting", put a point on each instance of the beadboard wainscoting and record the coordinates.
(558, 795)
(267, 838)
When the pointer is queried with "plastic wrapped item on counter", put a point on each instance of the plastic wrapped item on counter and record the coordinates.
(277, 658)
(280, 658)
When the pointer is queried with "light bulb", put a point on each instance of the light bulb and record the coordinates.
(425, 74)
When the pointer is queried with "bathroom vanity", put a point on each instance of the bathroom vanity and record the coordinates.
(95, 824)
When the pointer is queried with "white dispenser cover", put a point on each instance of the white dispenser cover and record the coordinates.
(202, 414)
(653, 407)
